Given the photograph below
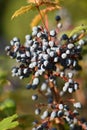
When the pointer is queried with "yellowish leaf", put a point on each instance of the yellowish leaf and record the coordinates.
(78, 29)
(37, 19)
(23, 10)
(43, 12)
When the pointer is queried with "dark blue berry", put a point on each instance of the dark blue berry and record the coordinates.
(64, 37)
(28, 86)
(57, 18)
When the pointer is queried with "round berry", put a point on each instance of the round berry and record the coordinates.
(57, 18)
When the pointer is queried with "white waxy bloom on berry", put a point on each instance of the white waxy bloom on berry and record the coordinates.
(44, 47)
(66, 113)
(75, 121)
(70, 75)
(74, 63)
(70, 90)
(45, 63)
(48, 91)
(37, 111)
(81, 42)
(51, 53)
(70, 45)
(65, 88)
(12, 42)
(64, 55)
(77, 105)
(60, 106)
(51, 43)
(19, 71)
(39, 34)
(27, 53)
(67, 119)
(61, 93)
(43, 86)
(31, 65)
(59, 25)
(21, 77)
(34, 64)
(35, 28)
(45, 43)
(76, 86)
(67, 52)
(48, 50)
(27, 37)
(45, 56)
(40, 72)
(23, 55)
(17, 44)
(62, 74)
(45, 114)
(25, 70)
(53, 115)
(52, 33)
(66, 84)
(70, 81)
(56, 59)
(36, 74)
(15, 39)
(35, 81)
(34, 97)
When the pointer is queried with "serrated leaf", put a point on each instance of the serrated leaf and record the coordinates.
(23, 10)
(9, 123)
(78, 29)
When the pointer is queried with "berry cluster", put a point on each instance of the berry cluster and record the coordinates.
(47, 55)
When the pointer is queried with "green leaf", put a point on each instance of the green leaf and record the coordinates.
(78, 29)
(9, 123)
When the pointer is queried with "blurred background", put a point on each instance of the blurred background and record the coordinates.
(74, 13)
